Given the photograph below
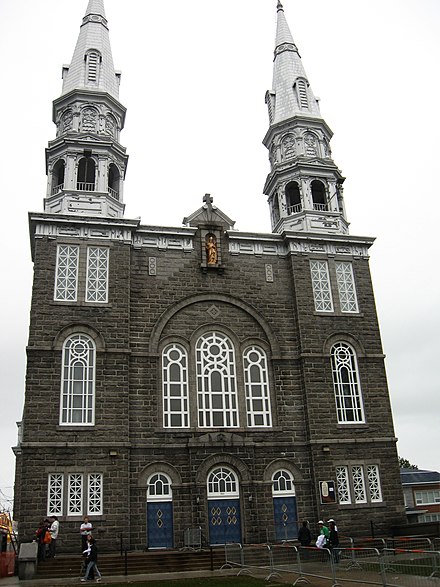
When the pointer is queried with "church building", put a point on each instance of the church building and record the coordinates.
(196, 376)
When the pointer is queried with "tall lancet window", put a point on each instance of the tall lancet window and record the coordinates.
(293, 198)
(93, 61)
(302, 93)
(113, 181)
(58, 176)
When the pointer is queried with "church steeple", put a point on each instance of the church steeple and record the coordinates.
(304, 187)
(86, 163)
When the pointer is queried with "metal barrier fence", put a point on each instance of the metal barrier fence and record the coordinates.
(407, 543)
(192, 539)
(363, 566)
(411, 568)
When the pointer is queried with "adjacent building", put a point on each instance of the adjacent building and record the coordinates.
(195, 375)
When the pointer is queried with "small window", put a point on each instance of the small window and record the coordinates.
(55, 496)
(282, 483)
(343, 485)
(322, 294)
(75, 496)
(95, 495)
(93, 61)
(159, 488)
(302, 94)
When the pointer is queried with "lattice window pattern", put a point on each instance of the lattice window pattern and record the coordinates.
(78, 381)
(321, 286)
(346, 287)
(55, 492)
(346, 385)
(175, 387)
(94, 494)
(257, 387)
(374, 483)
(97, 274)
(357, 474)
(343, 485)
(216, 391)
(66, 274)
(75, 494)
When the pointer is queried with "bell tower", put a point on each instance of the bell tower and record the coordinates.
(86, 163)
(304, 186)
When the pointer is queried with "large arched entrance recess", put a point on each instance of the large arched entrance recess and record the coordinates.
(223, 506)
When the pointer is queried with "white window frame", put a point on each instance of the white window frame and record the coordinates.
(282, 483)
(256, 383)
(75, 494)
(97, 275)
(346, 384)
(175, 387)
(95, 493)
(79, 354)
(222, 482)
(358, 484)
(346, 287)
(159, 487)
(55, 494)
(66, 273)
(427, 497)
(322, 293)
(217, 402)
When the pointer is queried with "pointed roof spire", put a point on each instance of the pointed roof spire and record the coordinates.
(290, 84)
(92, 66)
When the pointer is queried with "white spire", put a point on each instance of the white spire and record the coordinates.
(92, 62)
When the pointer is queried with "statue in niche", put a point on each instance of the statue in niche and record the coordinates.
(310, 145)
(211, 249)
(89, 117)
(288, 146)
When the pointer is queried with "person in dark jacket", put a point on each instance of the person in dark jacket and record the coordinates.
(92, 560)
(304, 534)
(333, 541)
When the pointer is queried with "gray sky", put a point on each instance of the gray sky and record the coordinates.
(194, 76)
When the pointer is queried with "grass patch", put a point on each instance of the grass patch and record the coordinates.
(241, 581)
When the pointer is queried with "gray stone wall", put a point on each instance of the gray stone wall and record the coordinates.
(178, 303)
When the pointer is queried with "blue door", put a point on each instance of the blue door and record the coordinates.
(224, 521)
(285, 517)
(160, 524)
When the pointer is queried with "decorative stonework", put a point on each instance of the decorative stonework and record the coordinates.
(269, 272)
(43, 229)
(89, 117)
(163, 242)
(213, 311)
(282, 249)
(152, 266)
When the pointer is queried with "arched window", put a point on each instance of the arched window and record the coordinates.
(113, 181)
(175, 387)
(293, 198)
(159, 488)
(282, 483)
(346, 384)
(216, 392)
(222, 482)
(93, 61)
(318, 196)
(257, 387)
(58, 176)
(78, 381)
(86, 175)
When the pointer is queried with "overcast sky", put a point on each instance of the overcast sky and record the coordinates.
(194, 76)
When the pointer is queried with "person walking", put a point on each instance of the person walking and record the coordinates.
(91, 561)
(333, 541)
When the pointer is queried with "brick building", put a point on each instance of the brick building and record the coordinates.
(197, 376)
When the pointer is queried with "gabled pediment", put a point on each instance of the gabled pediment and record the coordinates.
(209, 215)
